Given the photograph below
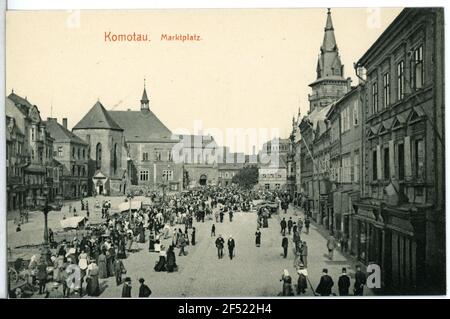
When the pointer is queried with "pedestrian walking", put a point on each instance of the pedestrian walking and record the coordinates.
(290, 223)
(344, 243)
(302, 281)
(343, 283)
(297, 240)
(283, 226)
(126, 289)
(193, 236)
(331, 245)
(258, 238)
(360, 281)
(119, 270)
(304, 253)
(307, 224)
(144, 290)
(182, 243)
(42, 275)
(213, 230)
(285, 244)
(231, 245)
(287, 284)
(325, 284)
(219, 244)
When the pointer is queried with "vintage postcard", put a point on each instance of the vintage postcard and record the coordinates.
(291, 152)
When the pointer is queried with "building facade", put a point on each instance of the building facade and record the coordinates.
(346, 131)
(16, 161)
(329, 86)
(36, 157)
(129, 150)
(401, 214)
(200, 156)
(72, 153)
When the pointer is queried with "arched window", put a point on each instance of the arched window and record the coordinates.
(115, 159)
(98, 156)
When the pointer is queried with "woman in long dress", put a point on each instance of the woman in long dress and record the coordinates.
(302, 282)
(287, 283)
(141, 233)
(193, 236)
(102, 268)
(93, 286)
(258, 238)
(161, 264)
(171, 260)
(151, 242)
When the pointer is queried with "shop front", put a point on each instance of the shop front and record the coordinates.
(393, 238)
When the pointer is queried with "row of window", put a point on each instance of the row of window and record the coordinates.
(408, 161)
(415, 82)
(79, 170)
(349, 171)
(157, 156)
(144, 175)
(271, 176)
(347, 120)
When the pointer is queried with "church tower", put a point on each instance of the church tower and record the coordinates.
(145, 103)
(330, 83)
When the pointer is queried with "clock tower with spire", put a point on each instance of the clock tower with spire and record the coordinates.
(330, 83)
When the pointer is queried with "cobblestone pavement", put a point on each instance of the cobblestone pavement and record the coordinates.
(252, 272)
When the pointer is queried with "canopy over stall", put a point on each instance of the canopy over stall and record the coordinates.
(125, 206)
(72, 222)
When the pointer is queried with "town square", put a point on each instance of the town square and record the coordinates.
(344, 197)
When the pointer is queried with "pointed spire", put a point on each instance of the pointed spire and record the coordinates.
(329, 25)
(329, 62)
(144, 101)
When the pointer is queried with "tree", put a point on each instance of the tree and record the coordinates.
(247, 177)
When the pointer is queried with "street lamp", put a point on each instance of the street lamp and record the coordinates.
(129, 197)
(43, 205)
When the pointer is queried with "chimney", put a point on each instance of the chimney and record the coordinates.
(65, 122)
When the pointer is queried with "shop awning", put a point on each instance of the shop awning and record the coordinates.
(135, 205)
(72, 222)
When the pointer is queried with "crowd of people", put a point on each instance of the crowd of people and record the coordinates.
(78, 265)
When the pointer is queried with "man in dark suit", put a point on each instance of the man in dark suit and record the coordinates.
(219, 244)
(283, 226)
(325, 284)
(284, 244)
(344, 283)
(231, 246)
(360, 281)
(290, 223)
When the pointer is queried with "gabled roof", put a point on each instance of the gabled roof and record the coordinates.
(141, 126)
(23, 104)
(97, 118)
(61, 134)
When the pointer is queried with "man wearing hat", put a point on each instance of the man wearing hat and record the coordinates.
(144, 290)
(126, 290)
(231, 244)
(219, 244)
(325, 284)
(344, 283)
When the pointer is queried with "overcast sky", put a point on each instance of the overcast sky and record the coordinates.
(250, 70)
